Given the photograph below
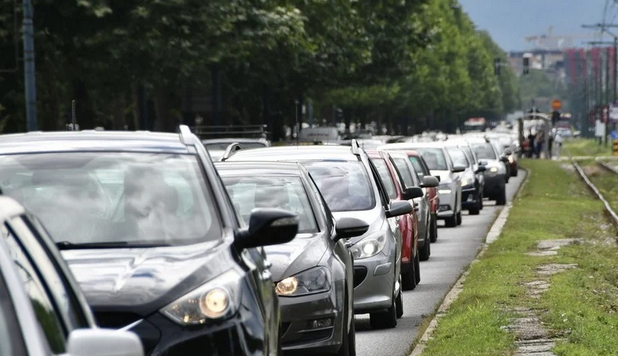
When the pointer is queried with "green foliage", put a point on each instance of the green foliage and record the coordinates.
(418, 63)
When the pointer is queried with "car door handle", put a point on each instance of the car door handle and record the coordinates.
(267, 264)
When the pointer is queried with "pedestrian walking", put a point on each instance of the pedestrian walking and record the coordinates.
(558, 144)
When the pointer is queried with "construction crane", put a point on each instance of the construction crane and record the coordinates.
(549, 41)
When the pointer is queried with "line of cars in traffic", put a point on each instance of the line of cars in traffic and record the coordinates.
(267, 251)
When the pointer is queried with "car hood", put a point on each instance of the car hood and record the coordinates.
(144, 278)
(304, 252)
(373, 218)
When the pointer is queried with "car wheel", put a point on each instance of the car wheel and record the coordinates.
(477, 209)
(481, 204)
(451, 221)
(417, 268)
(501, 200)
(459, 220)
(514, 172)
(425, 252)
(399, 305)
(408, 280)
(384, 320)
(433, 236)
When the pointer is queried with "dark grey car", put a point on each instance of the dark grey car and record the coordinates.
(314, 273)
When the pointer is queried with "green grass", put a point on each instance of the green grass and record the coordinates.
(586, 147)
(580, 304)
(604, 180)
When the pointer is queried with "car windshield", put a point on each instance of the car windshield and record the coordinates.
(345, 185)
(126, 198)
(469, 153)
(386, 177)
(222, 146)
(458, 157)
(287, 193)
(484, 150)
(434, 157)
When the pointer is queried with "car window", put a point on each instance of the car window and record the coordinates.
(11, 340)
(458, 157)
(132, 198)
(381, 189)
(404, 170)
(30, 232)
(484, 150)
(42, 302)
(287, 193)
(418, 167)
(434, 157)
(386, 177)
(469, 153)
(344, 184)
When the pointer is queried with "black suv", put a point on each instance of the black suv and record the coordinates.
(150, 234)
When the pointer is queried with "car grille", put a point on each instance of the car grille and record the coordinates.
(115, 320)
(360, 273)
(444, 208)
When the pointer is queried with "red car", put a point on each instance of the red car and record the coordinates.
(408, 224)
(422, 170)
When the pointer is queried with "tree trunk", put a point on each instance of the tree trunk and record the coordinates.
(164, 120)
(118, 117)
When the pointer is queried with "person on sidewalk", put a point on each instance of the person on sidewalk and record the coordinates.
(558, 144)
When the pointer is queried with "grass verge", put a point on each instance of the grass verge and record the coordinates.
(580, 305)
(604, 180)
(586, 147)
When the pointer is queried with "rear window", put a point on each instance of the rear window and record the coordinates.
(287, 193)
(484, 150)
(345, 185)
(404, 170)
(434, 158)
(387, 178)
(418, 167)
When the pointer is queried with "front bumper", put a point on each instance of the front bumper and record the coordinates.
(447, 207)
(298, 315)
(469, 198)
(373, 283)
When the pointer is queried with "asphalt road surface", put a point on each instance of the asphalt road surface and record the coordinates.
(455, 249)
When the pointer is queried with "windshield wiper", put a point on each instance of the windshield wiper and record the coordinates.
(66, 245)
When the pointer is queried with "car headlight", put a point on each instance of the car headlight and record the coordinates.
(444, 191)
(369, 246)
(511, 159)
(315, 280)
(465, 182)
(217, 299)
(493, 169)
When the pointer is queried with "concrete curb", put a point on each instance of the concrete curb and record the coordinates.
(451, 296)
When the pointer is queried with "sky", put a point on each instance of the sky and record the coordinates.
(510, 21)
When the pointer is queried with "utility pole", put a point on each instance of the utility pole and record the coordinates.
(29, 66)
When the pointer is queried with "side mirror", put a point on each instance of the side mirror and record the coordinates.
(350, 227)
(458, 169)
(483, 163)
(438, 178)
(268, 226)
(430, 182)
(229, 151)
(481, 169)
(504, 159)
(414, 192)
(102, 342)
(398, 208)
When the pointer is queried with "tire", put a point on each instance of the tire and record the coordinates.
(417, 269)
(384, 320)
(501, 199)
(399, 305)
(408, 280)
(452, 221)
(474, 211)
(514, 174)
(459, 220)
(433, 234)
(481, 203)
(425, 252)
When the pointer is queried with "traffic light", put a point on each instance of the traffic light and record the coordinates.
(497, 66)
(526, 65)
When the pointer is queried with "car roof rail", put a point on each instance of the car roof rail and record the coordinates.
(229, 151)
(186, 137)
(356, 149)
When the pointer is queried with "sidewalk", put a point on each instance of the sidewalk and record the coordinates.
(547, 285)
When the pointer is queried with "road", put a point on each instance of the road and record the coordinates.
(455, 249)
